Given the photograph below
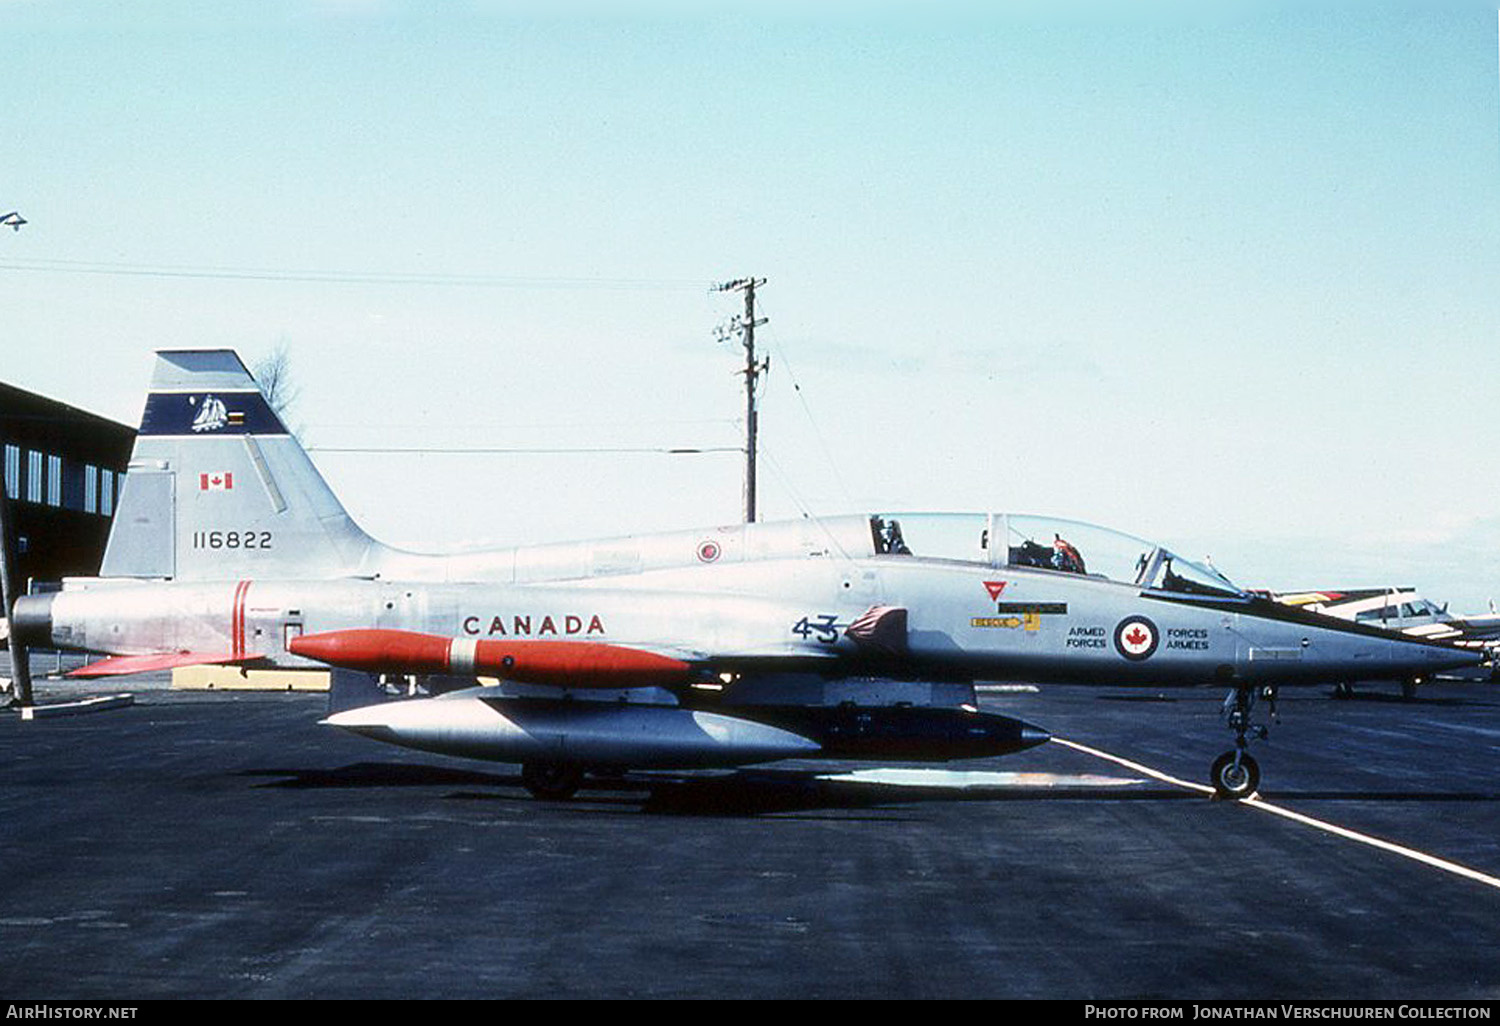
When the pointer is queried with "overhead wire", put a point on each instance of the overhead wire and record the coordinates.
(523, 450)
(779, 348)
(345, 277)
(807, 512)
(230, 273)
(775, 346)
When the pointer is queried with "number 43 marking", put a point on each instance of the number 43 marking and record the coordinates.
(821, 627)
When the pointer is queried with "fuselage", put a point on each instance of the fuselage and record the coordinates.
(778, 595)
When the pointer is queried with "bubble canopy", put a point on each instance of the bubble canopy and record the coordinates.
(1045, 543)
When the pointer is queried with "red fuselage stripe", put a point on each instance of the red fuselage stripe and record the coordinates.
(237, 620)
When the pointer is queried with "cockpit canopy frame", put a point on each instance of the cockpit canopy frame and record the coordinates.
(1046, 543)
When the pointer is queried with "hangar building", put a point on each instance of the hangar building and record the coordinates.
(63, 472)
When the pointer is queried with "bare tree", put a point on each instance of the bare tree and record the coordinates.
(273, 373)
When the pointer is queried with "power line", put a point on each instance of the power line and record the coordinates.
(518, 450)
(345, 277)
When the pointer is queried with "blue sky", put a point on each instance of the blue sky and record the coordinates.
(1228, 279)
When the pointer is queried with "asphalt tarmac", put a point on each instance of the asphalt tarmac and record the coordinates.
(224, 845)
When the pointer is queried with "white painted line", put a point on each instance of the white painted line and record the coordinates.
(966, 779)
(1133, 766)
(87, 705)
(1255, 801)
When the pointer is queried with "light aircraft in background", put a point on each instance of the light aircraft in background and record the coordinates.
(1405, 611)
(845, 637)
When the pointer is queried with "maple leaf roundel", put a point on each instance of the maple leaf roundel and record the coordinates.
(1136, 637)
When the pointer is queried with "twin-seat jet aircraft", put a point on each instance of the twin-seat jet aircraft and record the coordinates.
(849, 637)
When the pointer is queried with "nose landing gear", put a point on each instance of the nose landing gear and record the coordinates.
(1236, 774)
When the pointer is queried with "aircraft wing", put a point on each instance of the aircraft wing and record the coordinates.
(1479, 628)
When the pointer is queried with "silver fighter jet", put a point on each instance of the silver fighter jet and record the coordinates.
(844, 637)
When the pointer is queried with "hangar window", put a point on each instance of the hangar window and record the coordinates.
(33, 476)
(13, 471)
(107, 493)
(54, 480)
(90, 488)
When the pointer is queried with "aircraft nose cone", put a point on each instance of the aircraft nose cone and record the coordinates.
(1431, 657)
(1334, 655)
(374, 721)
(350, 718)
(1032, 736)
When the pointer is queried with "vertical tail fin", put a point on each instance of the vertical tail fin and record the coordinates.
(219, 489)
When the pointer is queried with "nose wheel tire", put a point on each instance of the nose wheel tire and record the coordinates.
(1235, 775)
(553, 781)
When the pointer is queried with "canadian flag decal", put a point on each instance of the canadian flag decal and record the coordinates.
(221, 482)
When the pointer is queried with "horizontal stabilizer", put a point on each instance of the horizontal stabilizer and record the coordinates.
(121, 665)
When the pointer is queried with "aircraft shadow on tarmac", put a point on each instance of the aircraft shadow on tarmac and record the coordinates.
(765, 791)
(381, 774)
(770, 791)
(1377, 697)
(1396, 698)
(732, 793)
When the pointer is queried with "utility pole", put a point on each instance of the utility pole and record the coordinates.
(745, 327)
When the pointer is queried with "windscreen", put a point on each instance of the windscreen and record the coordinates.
(1071, 546)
